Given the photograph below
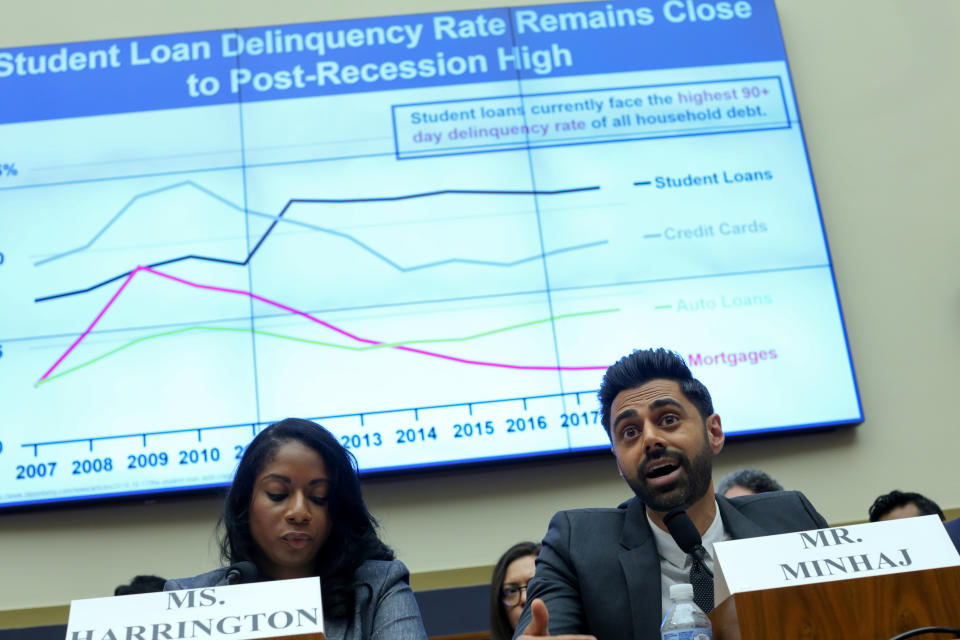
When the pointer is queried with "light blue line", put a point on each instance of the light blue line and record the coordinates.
(185, 183)
(307, 225)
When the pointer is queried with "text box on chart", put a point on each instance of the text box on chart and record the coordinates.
(599, 115)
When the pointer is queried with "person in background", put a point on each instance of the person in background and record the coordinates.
(508, 588)
(953, 530)
(140, 584)
(295, 510)
(900, 504)
(746, 482)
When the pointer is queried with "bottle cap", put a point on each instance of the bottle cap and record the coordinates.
(682, 591)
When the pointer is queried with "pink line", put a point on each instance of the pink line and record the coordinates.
(92, 324)
(496, 364)
(264, 300)
(308, 317)
(365, 340)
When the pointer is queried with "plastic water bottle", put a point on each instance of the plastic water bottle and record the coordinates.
(685, 620)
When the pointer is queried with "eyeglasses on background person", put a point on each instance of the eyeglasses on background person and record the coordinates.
(510, 594)
(508, 588)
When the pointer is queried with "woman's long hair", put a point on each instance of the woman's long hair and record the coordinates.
(352, 539)
(500, 627)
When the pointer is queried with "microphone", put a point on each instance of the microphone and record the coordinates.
(242, 573)
(685, 534)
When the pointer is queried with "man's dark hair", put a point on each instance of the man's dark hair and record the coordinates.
(752, 479)
(500, 627)
(140, 584)
(890, 501)
(644, 365)
(353, 538)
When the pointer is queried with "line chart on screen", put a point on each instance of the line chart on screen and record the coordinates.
(438, 270)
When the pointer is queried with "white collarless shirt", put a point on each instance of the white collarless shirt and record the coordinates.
(675, 565)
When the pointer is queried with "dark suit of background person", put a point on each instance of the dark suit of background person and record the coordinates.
(953, 529)
(600, 571)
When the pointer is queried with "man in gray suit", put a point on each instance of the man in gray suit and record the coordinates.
(607, 572)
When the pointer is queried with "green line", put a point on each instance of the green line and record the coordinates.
(664, 306)
(324, 344)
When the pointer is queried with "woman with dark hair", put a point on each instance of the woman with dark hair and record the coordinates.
(295, 510)
(508, 588)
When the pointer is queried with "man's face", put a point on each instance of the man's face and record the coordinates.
(664, 447)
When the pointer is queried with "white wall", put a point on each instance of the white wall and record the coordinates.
(877, 86)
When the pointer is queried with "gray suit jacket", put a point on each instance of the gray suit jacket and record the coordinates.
(385, 607)
(599, 571)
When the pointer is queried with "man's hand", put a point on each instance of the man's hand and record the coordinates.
(538, 625)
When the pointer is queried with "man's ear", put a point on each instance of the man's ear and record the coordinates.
(715, 433)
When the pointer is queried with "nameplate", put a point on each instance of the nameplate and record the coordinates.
(277, 609)
(839, 553)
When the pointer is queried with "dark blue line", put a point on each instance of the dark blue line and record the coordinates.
(398, 267)
(358, 156)
(366, 247)
(274, 218)
(641, 184)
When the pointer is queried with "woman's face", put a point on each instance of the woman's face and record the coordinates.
(288, 511)
(519, 573)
